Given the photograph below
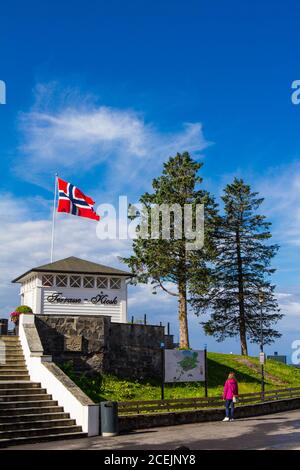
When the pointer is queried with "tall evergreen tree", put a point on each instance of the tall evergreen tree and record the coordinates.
(164, 261)
(241, 274)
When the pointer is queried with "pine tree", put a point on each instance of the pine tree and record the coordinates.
(241, 274)
(164, 261)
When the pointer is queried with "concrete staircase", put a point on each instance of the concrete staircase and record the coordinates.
(27, 413)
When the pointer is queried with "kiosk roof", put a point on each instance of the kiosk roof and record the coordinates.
(74, 265)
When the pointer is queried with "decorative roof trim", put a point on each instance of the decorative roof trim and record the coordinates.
(102, 270)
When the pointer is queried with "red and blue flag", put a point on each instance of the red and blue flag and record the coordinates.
(72, 201)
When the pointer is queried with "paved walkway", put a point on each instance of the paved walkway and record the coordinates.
(277, 431)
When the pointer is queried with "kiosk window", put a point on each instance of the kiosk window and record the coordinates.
(115, 283)
(47, 280)
(88, 282)
(102, 282)
(75, 281)
(62, 281)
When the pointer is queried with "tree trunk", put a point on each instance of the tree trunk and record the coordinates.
(183, 320)
(242, 323)
(243, 340)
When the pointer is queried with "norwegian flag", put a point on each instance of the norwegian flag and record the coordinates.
(73, 201)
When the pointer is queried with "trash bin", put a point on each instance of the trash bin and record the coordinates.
(3, 326)
(109, 418)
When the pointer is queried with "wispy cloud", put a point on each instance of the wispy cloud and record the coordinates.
(69, 136)
(280, 186)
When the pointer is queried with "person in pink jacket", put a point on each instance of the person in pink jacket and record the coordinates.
(230, 394)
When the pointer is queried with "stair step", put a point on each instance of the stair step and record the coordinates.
(9, 338)
(9, 392)
(36, 439)
(22, 417)
(41, 424)
(10, 362)
(13, 372)
(12, 357)
(30, 397)
(8, 353)
(12, 367)
(10, 344)
(52, 408)
(15, 377)
(5, 367)
(39, 432)
(27, 404)
(11, 349)
(13, 384)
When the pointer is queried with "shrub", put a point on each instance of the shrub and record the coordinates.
(23, 309)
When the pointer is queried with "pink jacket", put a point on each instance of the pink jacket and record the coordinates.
(230, 389)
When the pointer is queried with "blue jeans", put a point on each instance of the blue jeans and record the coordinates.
(229, 408)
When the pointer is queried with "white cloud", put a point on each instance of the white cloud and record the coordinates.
(142, 296)
(72, 136)
(280, 187)
(283, 295)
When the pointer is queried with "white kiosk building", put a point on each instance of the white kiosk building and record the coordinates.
(74, 286)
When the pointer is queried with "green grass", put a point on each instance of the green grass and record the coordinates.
(108, 387)
(277, 375)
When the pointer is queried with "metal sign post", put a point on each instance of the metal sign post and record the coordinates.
(205, 372)
(162, 349)
(262, 360)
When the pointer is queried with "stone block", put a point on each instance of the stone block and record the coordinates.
(73, 343)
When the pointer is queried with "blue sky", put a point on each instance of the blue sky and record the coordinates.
(104, 92)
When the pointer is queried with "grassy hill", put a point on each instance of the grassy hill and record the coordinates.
(247, 370)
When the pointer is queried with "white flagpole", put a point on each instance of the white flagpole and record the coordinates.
(53, 218)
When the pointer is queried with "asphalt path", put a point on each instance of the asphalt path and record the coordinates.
(276, 431)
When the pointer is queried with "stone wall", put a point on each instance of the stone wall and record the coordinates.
(143, 421)
(95, 345)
